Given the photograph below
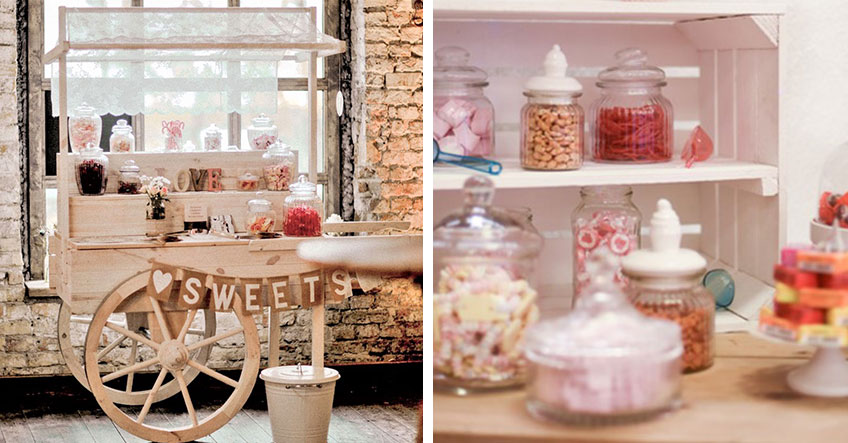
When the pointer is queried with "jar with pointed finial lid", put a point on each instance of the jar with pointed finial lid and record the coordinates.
(129, 180)
(122, 138)
(261, 133)
(303, 210)
(665, 282)
(552, 120)
(84, 127)
(92, 169)
(213, 138)
(280, 166)
(260, 216)
(484, 257)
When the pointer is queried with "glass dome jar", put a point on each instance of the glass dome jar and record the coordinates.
(213, 138)
(604, 362)
(122, 138)
(84, 127)
(303, 210)
(261, 133)
(248, 182)
(606, 216)
(632, 122)
(260, 216)
(484, 257)
(92, 169)
(665, 282)
(279, 168)
(129, 181)
(463, 118)
(552, 120)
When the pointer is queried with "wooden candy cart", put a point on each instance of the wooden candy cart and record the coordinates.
(102, 264)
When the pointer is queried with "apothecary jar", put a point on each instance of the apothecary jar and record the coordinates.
(304, 210)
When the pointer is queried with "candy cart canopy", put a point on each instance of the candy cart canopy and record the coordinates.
(189, 60)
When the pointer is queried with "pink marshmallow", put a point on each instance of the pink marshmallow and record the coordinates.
(450, 145)
(483, 149)
(481, 121)
(466, 138)
(455, 112)
(440, 127)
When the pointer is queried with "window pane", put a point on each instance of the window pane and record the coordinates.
(292, 120)
(154, 139)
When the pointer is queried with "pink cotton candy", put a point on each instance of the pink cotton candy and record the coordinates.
(466, 138)
(481, 121)
(440, 127)
(450, 145)
(455, 112)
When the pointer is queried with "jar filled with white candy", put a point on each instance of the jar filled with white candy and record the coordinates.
(604, 362)
(122, 138)
(84, 127)
(484, 257)
(463, 118)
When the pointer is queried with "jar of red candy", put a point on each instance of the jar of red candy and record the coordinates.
(552, 121)
(463, 118)
(484, 257)
(213, 138)
(260, 216)
(280, 166)
(303, 210)
(261, 133)
(84, 127)
(122, 139)
(129, 182)
(665, 282)
(606, 216)
(632, 121)
(92, 168)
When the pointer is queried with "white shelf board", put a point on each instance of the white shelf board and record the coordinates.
(603, 10)
(758, 178)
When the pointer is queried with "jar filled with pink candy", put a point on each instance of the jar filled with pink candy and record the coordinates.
(280, 166)
(84, 127)
(484, 257)
(213, 138)
(463, 118)
(262, 133)
(173, 132)
(122, 139)
(606, 216)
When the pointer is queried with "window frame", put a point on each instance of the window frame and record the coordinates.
(38, 182)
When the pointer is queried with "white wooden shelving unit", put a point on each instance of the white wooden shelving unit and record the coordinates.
(723, 61)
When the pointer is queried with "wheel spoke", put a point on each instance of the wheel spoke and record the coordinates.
(213, 373)
(193, 331)
(133, 358)
(214, 339)
(189, 319)
(149, 401)
(132, 368)
(111, 346)
(135, 336)
(184, 389)
(163, 324)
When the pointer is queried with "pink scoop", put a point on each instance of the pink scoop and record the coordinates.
(698, 147)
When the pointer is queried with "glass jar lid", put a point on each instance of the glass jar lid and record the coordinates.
(130, 166)
(603, 324)
(631, 68)
(212, 131)
(248, 177)
(261, 122)
(555, 81)
(259, 203)
(90, 150)
(122, 127)
(278, 147)
(84, 110)
(480, 229)
(303, 186)
(452, 69)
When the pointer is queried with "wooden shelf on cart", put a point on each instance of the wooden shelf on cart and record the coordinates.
(758, 178)
(642, 11)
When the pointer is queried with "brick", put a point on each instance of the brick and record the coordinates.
(407, 80)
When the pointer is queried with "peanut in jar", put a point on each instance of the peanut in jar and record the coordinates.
(551, 136)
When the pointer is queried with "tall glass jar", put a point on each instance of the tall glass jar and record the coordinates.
(129, 181)
(261, 133)
(463, 118)
(84, 127)
(665, 282)
(303, 210)
(632, 122)
(260, 216)
(122, 138)
(552, 121)
(92, 169)
(213, 138)
(484, 257)
(605, 217)
(279, 167)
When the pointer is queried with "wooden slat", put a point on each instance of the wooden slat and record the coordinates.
(744, 32)
(725, 136)
(100, 427)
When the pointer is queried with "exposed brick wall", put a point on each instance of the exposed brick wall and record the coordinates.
(384, 325)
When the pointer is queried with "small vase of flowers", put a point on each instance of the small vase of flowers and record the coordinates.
(156, 189)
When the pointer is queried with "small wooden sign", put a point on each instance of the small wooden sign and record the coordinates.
(311, 289)
(340, 285)
(279, 294)
(193, 290)
(251, 289)
(161, 281)
(223, 293)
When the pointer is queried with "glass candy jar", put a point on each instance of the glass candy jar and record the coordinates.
(665, 282)
(632, 121)
(604, 362)
(552, 121)
(463, 118)
(248, 182)
(260, 216)
(213, 138)
(606, 216)
(122, 138)
(279, 167)
(92, 168)
(303, 210)
(84, 127)
(483, 301)
(261, 133)
(129, 182)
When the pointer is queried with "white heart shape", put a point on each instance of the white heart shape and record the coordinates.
(161, 280)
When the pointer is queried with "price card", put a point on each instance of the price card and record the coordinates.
(195, 212)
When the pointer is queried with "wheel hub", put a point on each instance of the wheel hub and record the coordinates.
(173, 355)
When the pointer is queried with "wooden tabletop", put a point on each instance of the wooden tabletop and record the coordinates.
(742, 398)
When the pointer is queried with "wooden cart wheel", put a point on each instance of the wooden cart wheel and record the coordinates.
(172, 357)
(126, 396)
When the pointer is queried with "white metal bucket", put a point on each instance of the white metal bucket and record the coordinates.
(299, 403)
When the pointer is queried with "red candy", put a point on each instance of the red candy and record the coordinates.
(302, 221)
(798, 314)
(606, 228)
(795, 278)
(637, 135)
